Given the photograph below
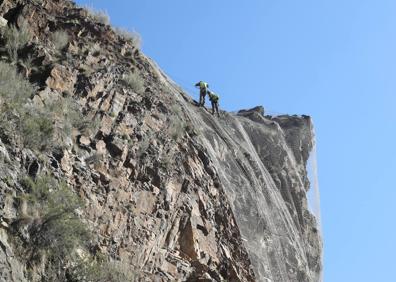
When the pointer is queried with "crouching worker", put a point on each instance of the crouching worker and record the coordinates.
(215, 102)
(203, 88)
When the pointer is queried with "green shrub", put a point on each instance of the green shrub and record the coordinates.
(48, 127)
(55, 234)
(37, 131)
(16, 38)
(28, 63)
(102, 271)
(134, 81)
(57, 230)
(60, 39)
(15, 90)
(48, 229)
(115, 272)
(51, 126)
(68, 115)
(39, 128)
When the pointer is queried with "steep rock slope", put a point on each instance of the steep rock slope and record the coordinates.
(170, 191)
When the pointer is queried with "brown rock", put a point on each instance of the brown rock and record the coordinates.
(61, 79)
(145, 202)
(117, 104)
(106, 125)
(84, 141)
(3, 22)
(98, 87)
(101, 147)
(66, 163)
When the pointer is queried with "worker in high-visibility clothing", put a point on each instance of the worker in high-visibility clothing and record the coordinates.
(203, 89)
(214, 99)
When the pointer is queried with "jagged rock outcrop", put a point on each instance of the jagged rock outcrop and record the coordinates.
(171, 191)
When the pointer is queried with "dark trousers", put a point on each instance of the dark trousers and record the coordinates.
(202, 95)
(215, 108)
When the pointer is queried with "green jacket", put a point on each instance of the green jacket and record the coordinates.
(202, 85)
(213, 97)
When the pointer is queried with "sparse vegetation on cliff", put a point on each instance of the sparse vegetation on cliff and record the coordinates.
(36, 125)
(57, 230)
(51, 234)
(48, 226)
(134, 81)
(16, 38)
(60, 39)
(99, 16)
(132, 36)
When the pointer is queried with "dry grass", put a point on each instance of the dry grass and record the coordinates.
(60, 39)
(131, 36)
(16, 38)
(134, 81)
(99, 16)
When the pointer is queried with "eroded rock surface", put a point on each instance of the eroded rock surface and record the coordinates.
(170, 190)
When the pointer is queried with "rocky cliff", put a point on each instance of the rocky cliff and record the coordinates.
(166, 191)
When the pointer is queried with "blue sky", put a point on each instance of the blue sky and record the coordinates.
(334, 60)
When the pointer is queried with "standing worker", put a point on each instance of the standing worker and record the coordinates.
(203, 89)
(215, 102)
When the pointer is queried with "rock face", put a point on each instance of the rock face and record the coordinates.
(171, 191)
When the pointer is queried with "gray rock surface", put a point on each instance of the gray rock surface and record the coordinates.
(261, 164)
(169, 190)
(11, 270)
